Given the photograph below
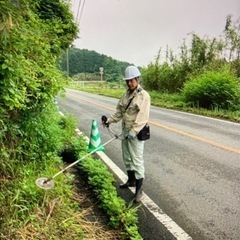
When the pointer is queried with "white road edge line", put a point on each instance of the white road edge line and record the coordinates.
(158, 213)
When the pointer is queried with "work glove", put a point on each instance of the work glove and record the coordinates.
(105, 121)
(131, 135)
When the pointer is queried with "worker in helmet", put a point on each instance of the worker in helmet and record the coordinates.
(133, 109)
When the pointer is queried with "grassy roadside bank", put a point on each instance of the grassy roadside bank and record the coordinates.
(170, 101)
(28, 212)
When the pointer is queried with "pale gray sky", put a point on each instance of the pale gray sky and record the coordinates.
(135, 30)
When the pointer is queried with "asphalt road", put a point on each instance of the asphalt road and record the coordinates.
(192, 164)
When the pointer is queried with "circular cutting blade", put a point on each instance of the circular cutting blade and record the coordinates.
(44, 183)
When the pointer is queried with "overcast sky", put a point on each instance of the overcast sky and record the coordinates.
(135, 30)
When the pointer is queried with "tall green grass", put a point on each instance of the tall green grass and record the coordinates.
(174, 101)
(28, 212)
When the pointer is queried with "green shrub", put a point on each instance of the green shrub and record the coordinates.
(101, 180)
(21, 200)
(120, 215)
(44, 133)
(213, 89)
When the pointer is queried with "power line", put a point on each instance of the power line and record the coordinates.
(80, 11)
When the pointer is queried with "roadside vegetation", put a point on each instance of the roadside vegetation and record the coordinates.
(203, 78)
(84, 65)
(174, 101)
(28, 212)
(33, 135)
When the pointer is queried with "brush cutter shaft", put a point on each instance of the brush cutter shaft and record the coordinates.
(111, 132)
(74, 163)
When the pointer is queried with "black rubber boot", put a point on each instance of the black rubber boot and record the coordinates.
(139, 189)
(131, 182)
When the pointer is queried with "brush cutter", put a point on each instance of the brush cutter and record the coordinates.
(47, 183)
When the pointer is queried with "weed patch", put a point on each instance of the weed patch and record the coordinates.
(172, 101)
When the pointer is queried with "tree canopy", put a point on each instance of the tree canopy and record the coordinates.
(87, 61)
(170, 74)
(33, 35)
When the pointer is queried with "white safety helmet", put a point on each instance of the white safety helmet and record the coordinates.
(131, 72)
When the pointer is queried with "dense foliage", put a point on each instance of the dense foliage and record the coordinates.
(170, 74)
(213, 89)
(29, 77)
(203, 60)
(84, 63)
(30, 134)
(121, 216)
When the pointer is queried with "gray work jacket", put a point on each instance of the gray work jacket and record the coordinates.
(135, 117)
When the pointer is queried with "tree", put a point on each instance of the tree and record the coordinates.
(232, 43)
(202, 54)
(232, 38)
(86, 61)
(32, 40)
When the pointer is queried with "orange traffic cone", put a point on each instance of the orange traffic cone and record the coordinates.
(95, 140)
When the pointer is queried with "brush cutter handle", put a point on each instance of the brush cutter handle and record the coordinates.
(105, 121)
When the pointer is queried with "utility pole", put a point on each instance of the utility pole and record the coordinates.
(67, 63)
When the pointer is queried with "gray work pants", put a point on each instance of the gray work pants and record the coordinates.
(132, 152)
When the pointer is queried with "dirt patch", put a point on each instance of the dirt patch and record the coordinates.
(96, 220)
